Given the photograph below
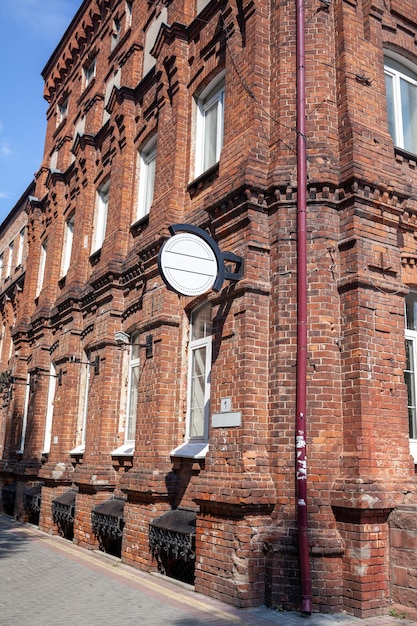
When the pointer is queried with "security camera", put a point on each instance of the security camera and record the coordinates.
(121, 338)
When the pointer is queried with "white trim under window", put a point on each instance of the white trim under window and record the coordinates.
(49, 410)
(147, 168)
(68, 239)
(100, 220)
(198, 387)
(401, 90)
(210, 125)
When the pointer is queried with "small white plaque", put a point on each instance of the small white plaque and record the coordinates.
(226, 405)
(226, 420)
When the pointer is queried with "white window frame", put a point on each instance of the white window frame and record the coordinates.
(100, 218)
(116, 32)
(201, 4)
(147, 170)
(128, 11)
(398, 72)
(63, 110)
(150, 37)
(85, 379)
(49, 410)
(25, 416)
(132, 393)
(196, 444)
(19, 259)
(410, 375)
(128, 447)
(89, 72)
(9, 259)
(68, 240)
(113, 82)
(42, 264)
(211, 97)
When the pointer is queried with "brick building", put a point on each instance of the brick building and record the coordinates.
(161, 427)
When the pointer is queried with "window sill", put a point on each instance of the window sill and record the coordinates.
(402, 155)
(78, 450)
(95, 257)
(413, 449)
(139, 226)
(191, 450)
(127, 449)
(206, 178)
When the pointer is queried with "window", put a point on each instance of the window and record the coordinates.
(68, 237)
(150, 38)
(401, 89)
(147, 163)
(25, 416)
(132, 390)
(49, 410)
(199, 374)
(410, 373)
(1, 265)
(42, 263)
(89, 72)
(210, 116)
(198, 387)
(116, 30)
(85, 375)
(128, 14)
(101, 217)
(10, 259)
(62, 110)
(21, 243)
(113, 82)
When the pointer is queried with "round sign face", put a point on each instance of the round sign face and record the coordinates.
(188, 264)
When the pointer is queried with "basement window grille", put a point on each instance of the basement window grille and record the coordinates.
(63, 512)
(32, 503)
(8, 495)
(107, 524)
(172, 543)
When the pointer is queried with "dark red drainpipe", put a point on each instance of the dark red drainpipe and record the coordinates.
(301, 459)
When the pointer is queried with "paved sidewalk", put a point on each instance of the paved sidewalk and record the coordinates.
(48, 581)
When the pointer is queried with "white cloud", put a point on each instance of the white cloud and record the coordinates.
(5, 150)
(4, 195)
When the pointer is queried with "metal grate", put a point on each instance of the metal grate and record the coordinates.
(172, 543)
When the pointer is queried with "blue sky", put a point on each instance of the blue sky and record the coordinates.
(29, 32)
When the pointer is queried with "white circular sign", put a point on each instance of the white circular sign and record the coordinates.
(188, 264)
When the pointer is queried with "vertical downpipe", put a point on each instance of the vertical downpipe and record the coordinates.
(301, 458)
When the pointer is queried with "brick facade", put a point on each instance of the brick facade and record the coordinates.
(361, 229)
